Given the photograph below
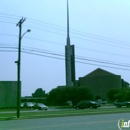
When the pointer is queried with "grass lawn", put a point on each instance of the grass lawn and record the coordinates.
(4, 115)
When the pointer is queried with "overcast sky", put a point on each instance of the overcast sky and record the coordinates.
(99, 29)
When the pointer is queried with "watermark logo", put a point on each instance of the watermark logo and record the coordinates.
(122, 124)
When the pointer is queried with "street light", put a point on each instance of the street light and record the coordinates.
(18, 67)
(25, 33)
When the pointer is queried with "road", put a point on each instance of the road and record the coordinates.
(87, 122)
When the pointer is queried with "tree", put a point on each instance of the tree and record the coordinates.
(127, 95)
(39, 93)
(111, 94)
(98, 97)
(122, 94)
(58, 96)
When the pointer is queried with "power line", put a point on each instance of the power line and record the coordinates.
(109, 40)
(7, 17)
(79, 57)
(8, 35)
(103, 62)
(7, 44)
(45, 30)
(10, 15)
(93, 36)
(59, 54)
(104, 43)
(117, 42)
(100, 37)
(77, 61)
(120, 46)
(9, 47)
(76, 46)
(80, 47)
(8, 51)
(44, 40)
(62, 54)
(84, 33)
(71, 36)
(54, 55)
(7, 22)
(119, 55)
(53, 52)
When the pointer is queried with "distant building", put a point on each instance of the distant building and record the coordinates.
(33, 99)
(8, 94)
(61, 86)
(101, 81)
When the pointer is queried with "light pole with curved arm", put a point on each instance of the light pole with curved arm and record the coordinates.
(18, 66)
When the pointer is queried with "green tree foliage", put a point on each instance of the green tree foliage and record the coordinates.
(123, 95)
(58, 96)
(127, 95)
(39, 93)
(98, 97)
(119, 94)
(111, 94)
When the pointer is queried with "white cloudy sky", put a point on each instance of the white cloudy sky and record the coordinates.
(99, 29)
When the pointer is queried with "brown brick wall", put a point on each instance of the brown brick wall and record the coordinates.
(100, 85)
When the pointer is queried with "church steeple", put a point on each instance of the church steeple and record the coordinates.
(69, 57)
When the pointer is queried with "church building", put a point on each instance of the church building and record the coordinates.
(101, 81)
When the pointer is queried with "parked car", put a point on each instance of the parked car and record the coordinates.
(22, 105)
(87, 104)
(28, 105)
(100, 101)
(40, 106)
(121, 103)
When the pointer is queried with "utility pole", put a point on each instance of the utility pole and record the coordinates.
(18, 67)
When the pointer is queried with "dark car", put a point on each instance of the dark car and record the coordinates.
(87, 104)
(40, 106)
(122, 103)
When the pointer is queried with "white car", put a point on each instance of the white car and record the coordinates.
(40, 106)
(27, 105)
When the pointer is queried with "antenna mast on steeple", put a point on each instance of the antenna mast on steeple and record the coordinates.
(67, 19)
(68, 37)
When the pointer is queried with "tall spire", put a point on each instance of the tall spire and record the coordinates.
(68, 37)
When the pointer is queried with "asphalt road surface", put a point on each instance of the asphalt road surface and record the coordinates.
(87, 122)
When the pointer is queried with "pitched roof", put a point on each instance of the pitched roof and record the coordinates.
(99, 72)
